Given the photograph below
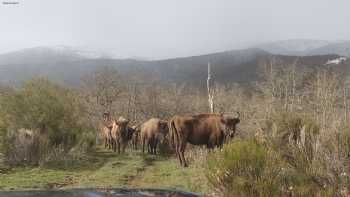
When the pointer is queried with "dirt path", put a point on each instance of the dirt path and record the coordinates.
(141, 172)
(117, 170)
(105, 169)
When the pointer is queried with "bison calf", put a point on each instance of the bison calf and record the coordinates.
(135, 136)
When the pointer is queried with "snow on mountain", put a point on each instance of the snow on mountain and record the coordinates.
(39, 55)
(292, 47)
(79, 51)
(341, 48)
(336, 61)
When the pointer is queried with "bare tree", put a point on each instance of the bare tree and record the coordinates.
(210, 91)
(103, 87)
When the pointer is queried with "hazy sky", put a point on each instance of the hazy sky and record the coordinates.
(164, 28)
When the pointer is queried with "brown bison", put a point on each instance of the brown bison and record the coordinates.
(106, 136)
(106, 128)
(202, 129)
(120, 134)
(151, 133)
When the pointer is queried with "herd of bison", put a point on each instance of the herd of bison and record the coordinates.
(209, 129)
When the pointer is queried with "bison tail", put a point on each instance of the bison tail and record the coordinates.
(172, 131)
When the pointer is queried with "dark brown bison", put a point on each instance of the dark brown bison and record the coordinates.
(202, 129)
(120, 134)
(151, 133)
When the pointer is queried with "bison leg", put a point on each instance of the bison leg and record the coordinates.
(114, 145)
(143, 145)
(155, 147)
(118, 143)
(177, 150)
(149, 146)
(210, 147)
(110, 143)
(135, 144)
(182, 154)
(123, 147)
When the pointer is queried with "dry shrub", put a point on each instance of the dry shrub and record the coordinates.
(314, 166)
(24, 147)
(196, 156)
(296, 158)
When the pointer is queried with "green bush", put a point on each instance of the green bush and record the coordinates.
(244, 168)
(53, 115)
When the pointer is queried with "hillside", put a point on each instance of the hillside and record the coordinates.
(339, 48)
(292, 47)
(307, 47)
(241, 66)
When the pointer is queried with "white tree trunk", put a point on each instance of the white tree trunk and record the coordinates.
(210, 93)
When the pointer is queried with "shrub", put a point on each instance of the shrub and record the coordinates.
(244, 168)
(296, 159)
(313, 166)
(288, 127)
(53, 115)
(343, 141)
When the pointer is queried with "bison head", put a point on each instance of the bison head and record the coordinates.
(131, 131)
(106, 116)
(122, 125)
(230, 121)
(122, 121)
(163, 125)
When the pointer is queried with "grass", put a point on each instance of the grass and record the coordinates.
(104, 169)
(166, 173)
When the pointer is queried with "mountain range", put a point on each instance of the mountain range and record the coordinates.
(69, 65)
(304, 47)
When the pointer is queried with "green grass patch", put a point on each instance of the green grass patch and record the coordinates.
(105, 169)
(167, 173)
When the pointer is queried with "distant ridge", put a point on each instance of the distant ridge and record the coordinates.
(304, 47)
(69, 66)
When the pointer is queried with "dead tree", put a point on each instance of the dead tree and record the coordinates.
(210, 91)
